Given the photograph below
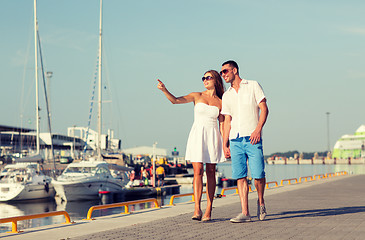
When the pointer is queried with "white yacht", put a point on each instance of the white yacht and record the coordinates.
(24, 181)
(84, 180)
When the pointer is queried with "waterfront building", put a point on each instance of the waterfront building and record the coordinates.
(19, 142)
(16, 139)
(108, 142)
(350, 146)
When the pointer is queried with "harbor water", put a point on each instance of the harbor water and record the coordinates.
(78, 210)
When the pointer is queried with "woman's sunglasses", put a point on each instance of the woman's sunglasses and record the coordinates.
(206, 78)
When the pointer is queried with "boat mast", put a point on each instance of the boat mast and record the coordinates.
(47, 104)
(99, 87)
(36, 72)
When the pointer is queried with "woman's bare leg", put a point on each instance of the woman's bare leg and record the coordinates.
(210, 187)
(198, 186)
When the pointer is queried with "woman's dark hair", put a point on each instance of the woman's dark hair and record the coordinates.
(218, 83)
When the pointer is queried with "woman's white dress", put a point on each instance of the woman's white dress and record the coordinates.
(205, 141)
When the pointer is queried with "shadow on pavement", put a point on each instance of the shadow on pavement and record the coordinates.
(317, 212)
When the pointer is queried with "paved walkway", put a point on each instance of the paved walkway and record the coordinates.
(331, 208)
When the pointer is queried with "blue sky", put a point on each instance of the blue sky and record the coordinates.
(307, 55)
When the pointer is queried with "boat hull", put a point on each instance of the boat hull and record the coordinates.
(19, 192)
(84, 190)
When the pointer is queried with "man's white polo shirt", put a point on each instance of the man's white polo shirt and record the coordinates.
(243, 107)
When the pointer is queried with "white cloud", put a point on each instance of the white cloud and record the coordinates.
(354, 30)
(356, 74)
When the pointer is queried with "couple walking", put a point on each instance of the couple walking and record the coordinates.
(241, 112)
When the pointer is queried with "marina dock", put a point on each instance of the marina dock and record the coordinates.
(331, 208)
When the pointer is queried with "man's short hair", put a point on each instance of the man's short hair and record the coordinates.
(232, 64)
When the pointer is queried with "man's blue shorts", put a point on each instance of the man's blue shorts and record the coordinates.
(241, 152)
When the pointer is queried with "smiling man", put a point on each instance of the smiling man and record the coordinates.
(245, 110)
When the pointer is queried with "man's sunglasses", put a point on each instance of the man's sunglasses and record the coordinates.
(223, 71)
(206, 78)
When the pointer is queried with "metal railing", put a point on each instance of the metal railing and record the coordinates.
(318, 176)
(288, 180)
(182, 195)
(341, 173)
(235, 188)
(305, 179)
(273, 182)
(229, 188)
(14, 220)
(328, 175)
(122, 204)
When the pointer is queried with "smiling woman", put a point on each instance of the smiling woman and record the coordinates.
(205, 140)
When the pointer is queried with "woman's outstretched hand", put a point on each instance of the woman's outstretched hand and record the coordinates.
(160, 85)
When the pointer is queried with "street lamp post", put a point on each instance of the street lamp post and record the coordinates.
(154, 165)
(328, 131)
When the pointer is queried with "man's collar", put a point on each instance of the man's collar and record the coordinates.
(244, 81)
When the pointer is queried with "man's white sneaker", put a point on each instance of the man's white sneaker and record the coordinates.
(241, 218)
(261, 212)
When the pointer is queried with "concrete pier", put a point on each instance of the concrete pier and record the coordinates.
(332, 208)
